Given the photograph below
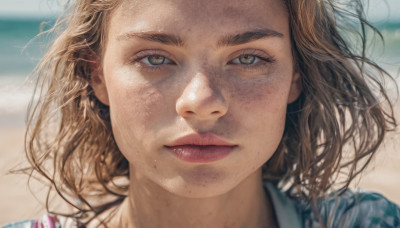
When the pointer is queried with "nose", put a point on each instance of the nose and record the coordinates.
(201, 100)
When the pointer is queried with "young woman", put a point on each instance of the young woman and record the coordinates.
(188, 113)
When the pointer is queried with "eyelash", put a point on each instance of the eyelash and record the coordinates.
(262, 60)
(143, 55)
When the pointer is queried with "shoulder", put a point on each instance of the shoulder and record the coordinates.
(350, 209)
(353, 209)
(46, 221)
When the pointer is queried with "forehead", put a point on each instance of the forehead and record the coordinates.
(207, 16)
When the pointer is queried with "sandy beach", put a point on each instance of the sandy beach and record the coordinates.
(17, 202)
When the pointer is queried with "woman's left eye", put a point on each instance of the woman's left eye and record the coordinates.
(246, 59)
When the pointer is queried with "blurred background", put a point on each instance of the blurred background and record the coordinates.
(20, 22)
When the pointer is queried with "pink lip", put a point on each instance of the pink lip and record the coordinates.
(200, 148)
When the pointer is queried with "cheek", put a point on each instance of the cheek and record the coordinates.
(129, 103)
(134, 108)
(264, 100)
(262, 111)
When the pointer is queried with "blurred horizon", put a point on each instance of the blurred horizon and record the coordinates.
(376, 10)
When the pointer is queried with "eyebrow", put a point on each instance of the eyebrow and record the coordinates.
(246, 37)
(155, 37)
(229, 40)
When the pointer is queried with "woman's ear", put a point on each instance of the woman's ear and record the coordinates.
(295, 88)
(97, 81)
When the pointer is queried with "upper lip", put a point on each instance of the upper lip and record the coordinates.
(207, 139)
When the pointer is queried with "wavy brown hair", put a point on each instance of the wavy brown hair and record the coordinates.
(336, 125)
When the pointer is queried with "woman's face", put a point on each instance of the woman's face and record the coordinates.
(198, 90)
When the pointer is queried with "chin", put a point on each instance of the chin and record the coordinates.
(196, 192)
(200, 183)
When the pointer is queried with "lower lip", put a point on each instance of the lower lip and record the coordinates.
(201, 154)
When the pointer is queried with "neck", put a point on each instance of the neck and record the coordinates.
(149, 205)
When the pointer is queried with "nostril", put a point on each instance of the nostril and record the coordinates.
(216, 112)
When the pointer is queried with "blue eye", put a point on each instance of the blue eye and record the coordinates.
(156, 60)
(246, 59)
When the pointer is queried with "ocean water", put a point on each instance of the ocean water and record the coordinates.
(389, 54)
(20, 51)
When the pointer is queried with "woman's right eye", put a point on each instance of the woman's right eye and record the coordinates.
(155, 60)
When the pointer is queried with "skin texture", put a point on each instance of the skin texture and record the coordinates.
(202, 87)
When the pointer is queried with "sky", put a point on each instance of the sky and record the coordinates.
(383, 10)
(29, 8)
(378, 10)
